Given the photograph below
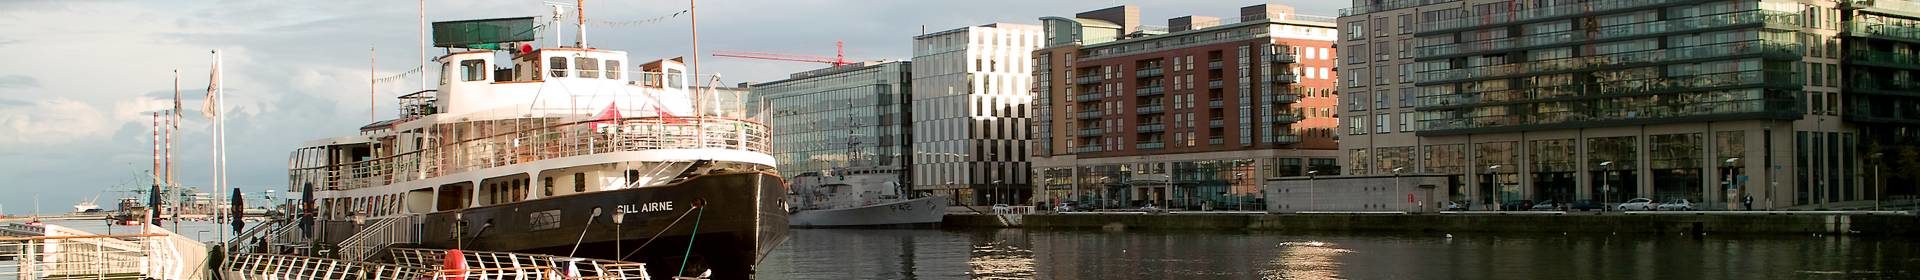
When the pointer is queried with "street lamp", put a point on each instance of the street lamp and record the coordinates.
(1396, 186)
(1311, 203)
(1731, 183)
(1879, 189)
(1493, 184)
(1606, 175)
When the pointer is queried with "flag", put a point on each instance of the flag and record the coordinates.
(212, 106)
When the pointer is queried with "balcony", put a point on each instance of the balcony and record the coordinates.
(1760, 17)
(1086, 149)
(1772, 50)
(1287, 78)
(1216, 64)
(1283, 118)
(1150, 145)
(1885, 59)
(1149, 72)
(1087, 97)
(1612, 89)
(1284, 58)
(1087, 80)
(1883, 31)
(1090, 114)
(1533, 13)
(1150, 109)
(1151, 91)
(1151, 128)
(1285, 97)
(1286, 139)
(1216, 103)
(1216, 84)
(1093, 132)
(1216, 141)
(1887, 87)
(1217, 123)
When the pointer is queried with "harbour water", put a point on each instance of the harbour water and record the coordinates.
(1038, 254)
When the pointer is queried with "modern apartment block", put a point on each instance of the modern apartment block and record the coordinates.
(1710, 101)
(1195, 114)
(972, 97)
(1881, 41)
(849, 119)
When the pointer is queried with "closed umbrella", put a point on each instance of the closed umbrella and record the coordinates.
(306, 210)
(239, 205)
(153, 205)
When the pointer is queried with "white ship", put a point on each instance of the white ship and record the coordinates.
(568, 151)
(852, 200)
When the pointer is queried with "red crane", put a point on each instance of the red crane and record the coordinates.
(839, 57)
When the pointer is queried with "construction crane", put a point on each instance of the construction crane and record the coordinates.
(839, 56)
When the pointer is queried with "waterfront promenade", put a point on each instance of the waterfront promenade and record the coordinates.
(1861, 223)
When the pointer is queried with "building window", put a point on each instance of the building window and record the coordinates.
(473, 70)
(1406, 121)
(1380, 122)
(1380, 98)
(1356, 125)
(558, 65)
(613, 69)
(579, 182)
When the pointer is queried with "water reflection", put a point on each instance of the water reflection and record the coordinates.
(1072, 255)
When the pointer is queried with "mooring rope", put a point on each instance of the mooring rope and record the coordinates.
(686, 257)
(643, 245)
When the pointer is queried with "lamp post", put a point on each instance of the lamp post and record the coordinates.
(1311, 203)
(1879, 189)
(1732, 184)
(1396, 186)
(1493, 182)
(1606, 175)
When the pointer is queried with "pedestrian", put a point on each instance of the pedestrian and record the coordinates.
(1748, 202)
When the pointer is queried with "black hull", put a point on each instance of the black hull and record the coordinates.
(742, 220)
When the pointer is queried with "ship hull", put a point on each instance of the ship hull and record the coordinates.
(730, 221)
(919, 211)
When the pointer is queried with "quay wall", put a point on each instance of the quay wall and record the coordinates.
(1848, 224)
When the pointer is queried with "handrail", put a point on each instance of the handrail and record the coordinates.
(362, 245)
(541, 142)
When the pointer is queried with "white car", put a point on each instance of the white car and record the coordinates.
(1639, 204)
(1002, 208)
(1676, 205)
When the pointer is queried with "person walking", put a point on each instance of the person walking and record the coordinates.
(1748, 202)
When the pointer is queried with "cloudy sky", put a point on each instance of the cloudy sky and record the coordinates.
(80, 77)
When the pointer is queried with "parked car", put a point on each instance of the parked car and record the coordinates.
(1676, 205)
(1586, 204)
(1516, 205)
(1546, 205)
(1454, 206)
(1002, 208)
(1637, 204)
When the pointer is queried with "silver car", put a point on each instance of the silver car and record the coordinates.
(1637, 204)
(1676, 205)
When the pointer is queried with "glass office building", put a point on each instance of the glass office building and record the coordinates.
(844, 119)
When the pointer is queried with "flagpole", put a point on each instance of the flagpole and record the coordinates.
(220, 126)
(173, 125)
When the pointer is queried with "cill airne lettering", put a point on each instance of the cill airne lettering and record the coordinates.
(647, 207)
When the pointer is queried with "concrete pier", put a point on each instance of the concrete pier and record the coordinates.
(1864, 224)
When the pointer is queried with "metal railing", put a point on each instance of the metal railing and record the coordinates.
(507, 265)
(1285, 58)
(62, 253)
(1150, 109)
(362, 245)
(487, 144)
(271, 266)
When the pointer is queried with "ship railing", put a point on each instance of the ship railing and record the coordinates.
(273, 266)
(495, 265)
(362, 245)
(523, 142)
(69, 254)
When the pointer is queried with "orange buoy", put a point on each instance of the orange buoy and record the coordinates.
(455, 266)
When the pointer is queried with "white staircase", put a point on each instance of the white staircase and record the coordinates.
(362, 245)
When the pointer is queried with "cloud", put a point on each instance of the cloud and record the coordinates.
(18, 81)
(4, 103)
(51, 121)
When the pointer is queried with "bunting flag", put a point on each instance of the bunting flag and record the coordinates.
(665, 117)
(212, 106)
(607, 23)
(398, 77)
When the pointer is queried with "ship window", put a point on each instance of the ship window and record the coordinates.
(579, 182)
(473, 70)
(613, 69)
(673, 79)
(589, 67)
(444, 75)
(546, 185)
(558, 65)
